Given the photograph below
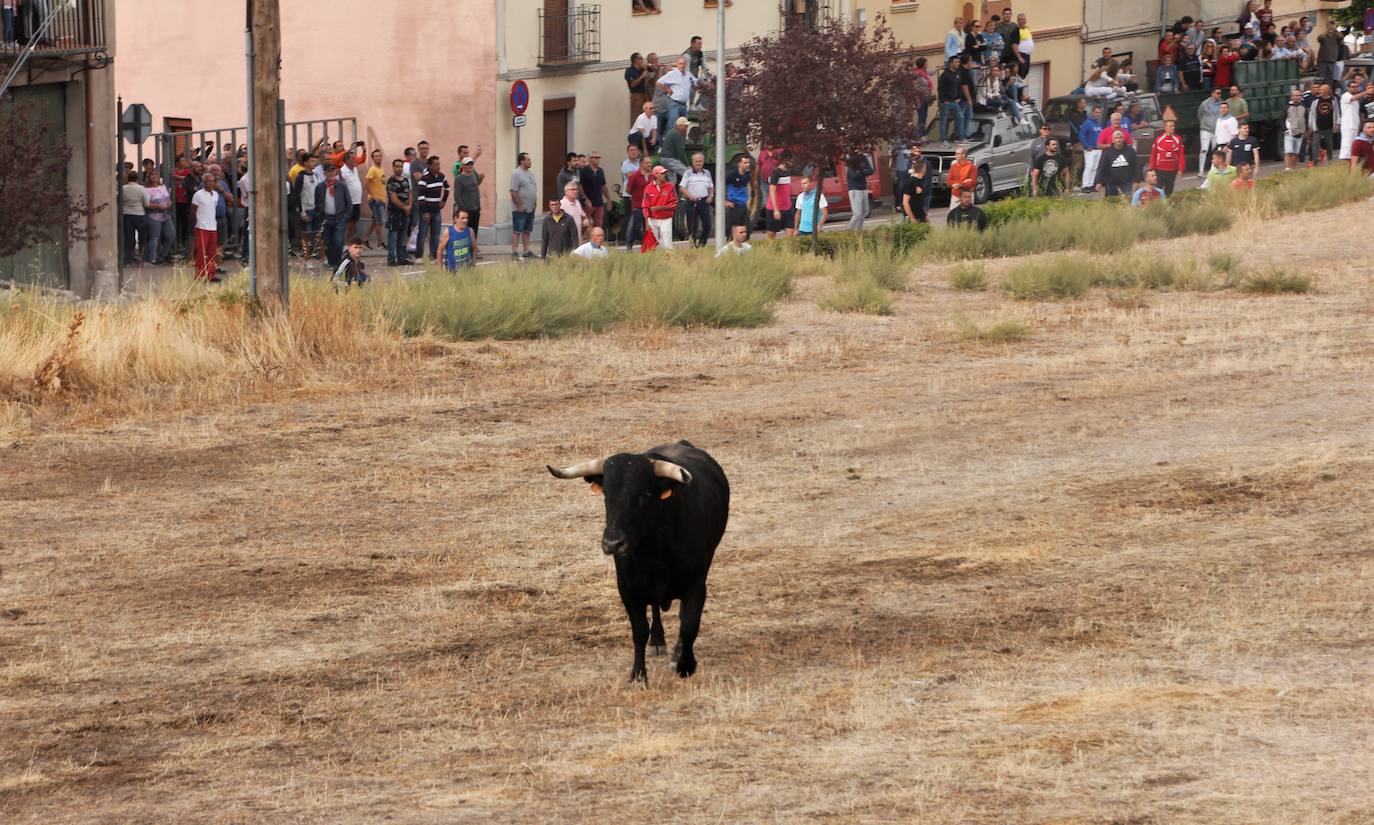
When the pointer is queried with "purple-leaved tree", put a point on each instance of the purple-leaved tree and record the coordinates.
(821, 93)
(36, 207)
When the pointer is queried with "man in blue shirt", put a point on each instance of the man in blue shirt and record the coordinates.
(1088, 134)
(738, 182)
(806, 203)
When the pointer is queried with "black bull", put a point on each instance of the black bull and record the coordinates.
(665, 514)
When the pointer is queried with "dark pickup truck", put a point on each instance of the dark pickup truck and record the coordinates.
(1265, 84)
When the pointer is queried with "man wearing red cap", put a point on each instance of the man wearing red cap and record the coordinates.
(660, 203)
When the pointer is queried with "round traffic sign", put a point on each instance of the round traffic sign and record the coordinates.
(519, 97)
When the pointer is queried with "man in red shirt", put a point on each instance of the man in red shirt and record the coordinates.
(1221, 77)
(635, 184)
(1167, 157)
(660, 204)
(1362, 150)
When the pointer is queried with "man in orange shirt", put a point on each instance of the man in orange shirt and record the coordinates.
(1245, 177)
(962, 175)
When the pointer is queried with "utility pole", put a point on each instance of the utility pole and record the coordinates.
(265, 152)
(721, 240)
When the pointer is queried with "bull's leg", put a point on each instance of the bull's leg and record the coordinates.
(689, 621)
(639, 628)
(656, 634)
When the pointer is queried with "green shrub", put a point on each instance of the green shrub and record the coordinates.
(1318, 189)
(1051, 234)
(861, 294)
(903, 237)
(1226, 262)
(1009, 210)
(1275, 282)
(1195, 216)
(1001, 332)
(972, 277)
(1050, 277)
(958, 244)
(683, 288)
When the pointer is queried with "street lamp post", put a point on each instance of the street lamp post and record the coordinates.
(721, 240)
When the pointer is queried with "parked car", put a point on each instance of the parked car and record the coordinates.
(1000, 148)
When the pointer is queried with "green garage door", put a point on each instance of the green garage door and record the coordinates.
(44, 264)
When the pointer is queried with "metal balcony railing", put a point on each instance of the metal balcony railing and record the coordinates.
(78, 27)
(571, 37)
(804, 13)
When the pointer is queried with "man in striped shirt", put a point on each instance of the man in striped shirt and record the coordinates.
(432, 193)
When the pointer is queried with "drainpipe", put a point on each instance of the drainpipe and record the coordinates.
(1164, 17)
(501, 38)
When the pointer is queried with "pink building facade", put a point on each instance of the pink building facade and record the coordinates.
(425, 69)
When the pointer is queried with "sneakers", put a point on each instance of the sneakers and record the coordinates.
(528, 254)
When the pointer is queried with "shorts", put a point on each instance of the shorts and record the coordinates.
(378, 212)
(521, 222)
(1292, 145)
(354, 213)
(783, 223)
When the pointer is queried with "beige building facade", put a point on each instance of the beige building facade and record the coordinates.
(425, 69)
(1057, 26)
(573, 58)
(1136, 25)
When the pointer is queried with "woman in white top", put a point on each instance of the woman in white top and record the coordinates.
(1102, 82)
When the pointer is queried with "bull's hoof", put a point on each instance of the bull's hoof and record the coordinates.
(686, 665)
(660, 650)
(638, 676)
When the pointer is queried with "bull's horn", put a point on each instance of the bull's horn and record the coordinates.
(586, 468)
(667, 469)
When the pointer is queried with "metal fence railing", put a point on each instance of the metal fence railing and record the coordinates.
(227, 147)
(570, 37)
(76, 28)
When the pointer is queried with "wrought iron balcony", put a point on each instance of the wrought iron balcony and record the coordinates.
(570, 38)
(78, 27)
(810, 13)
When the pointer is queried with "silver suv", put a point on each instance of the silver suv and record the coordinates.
(999, 146)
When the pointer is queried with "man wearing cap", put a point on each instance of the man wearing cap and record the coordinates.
(673, 155)
(660, 204)
(467, 197)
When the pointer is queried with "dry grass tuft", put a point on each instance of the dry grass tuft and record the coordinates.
(969, 276)
(1275, 281)
(1005, 331)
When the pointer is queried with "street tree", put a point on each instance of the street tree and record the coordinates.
(819, 93)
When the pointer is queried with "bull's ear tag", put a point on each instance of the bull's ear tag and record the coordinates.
(596, 488)
(666, 494)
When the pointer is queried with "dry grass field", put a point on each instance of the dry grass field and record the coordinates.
(1121, 571)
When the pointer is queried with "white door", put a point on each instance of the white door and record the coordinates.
(1035, 84)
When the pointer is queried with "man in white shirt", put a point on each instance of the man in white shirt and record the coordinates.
(699, 190)
(349, 175)
(203, 206)
(1228, 128)
(1352, 101)
(595, 247)
(644, 133)
(737, 244)
(678, 84)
